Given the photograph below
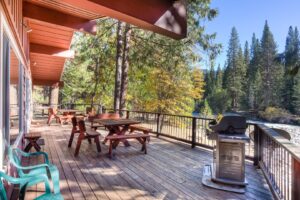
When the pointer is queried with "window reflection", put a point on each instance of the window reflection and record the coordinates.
(14, 96)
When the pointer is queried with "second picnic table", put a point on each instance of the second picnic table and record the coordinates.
(117, 126)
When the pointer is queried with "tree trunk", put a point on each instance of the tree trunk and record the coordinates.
(125, 66)
(97, 78)
(118, 66)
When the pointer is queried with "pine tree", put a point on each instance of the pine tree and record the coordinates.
(296, 86)
(272, 72)
(219, 78)
(235, 70)
(119, 59)
(291, 57)
(253, 75)
(246, 54)
(125, 66)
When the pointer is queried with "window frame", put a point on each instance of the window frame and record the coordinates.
(4, 88)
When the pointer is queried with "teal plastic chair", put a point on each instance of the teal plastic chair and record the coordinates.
(24, 183)
(45, 168)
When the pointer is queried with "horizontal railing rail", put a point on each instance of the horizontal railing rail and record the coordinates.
(277, 157)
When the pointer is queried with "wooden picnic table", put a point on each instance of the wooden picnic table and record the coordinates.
(32, 139)
(68, 111)
(117, 126)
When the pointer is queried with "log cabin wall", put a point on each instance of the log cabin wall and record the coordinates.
(14, 14)
(18, 30)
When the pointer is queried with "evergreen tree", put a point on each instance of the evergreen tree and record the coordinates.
(272, 71)
(296, 95)
(296, 86)
(290, 57)
(210, 81)
(219, 78)
(246, 54)
(235, 70)
(253, 75)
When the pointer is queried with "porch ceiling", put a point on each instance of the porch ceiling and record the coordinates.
(52, 23)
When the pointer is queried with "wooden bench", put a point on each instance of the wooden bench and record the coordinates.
(146, 131)
(115, 139)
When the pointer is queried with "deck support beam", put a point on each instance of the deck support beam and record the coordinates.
(39, 13)
(50, 50)
(168, 17)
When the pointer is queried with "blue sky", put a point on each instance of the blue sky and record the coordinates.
(249, 16)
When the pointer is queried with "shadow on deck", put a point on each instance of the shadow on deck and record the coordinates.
(170, 170)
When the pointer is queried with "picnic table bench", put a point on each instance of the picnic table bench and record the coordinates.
(114, 140)
(145, 130)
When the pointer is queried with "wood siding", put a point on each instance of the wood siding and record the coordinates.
(14, 15)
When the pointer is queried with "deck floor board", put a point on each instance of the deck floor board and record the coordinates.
(170, 170)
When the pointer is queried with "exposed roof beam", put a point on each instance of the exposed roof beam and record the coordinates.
(39, 13)
(47, 82)
(167, 17)
(50, 50)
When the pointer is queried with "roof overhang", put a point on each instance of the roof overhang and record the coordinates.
(52, 23)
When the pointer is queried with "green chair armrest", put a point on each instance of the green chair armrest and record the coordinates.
(31, 167)
(25, 180)
(24, 154)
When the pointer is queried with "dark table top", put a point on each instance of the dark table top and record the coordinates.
(116, 122)
(33, 135)
(68, 111)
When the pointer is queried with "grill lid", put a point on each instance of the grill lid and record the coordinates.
(230, 123)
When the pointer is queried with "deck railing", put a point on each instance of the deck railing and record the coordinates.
(277, 157)
(279, 160)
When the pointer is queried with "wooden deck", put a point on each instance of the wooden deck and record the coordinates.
(170, 170)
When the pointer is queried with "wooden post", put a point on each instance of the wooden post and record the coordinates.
(257, 145)
(54, 95)
(194, 131)
(127, 114)
(157, 125)
(295, 179)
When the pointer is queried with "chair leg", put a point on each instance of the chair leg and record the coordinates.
(71, 139)
(110, 148)
(145, 145)
(78, 146)
(97, 144)
(49, 119)
(22, 191)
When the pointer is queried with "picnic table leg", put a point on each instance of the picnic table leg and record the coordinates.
(28, 147)
(78, 146)
(50, 119)
(36, 146)
(71, 139)
(110, 148)
(97, 143)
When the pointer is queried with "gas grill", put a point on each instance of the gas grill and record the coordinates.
(228, 165)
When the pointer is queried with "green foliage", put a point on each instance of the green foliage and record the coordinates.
(206, 110)
(219, 101)
(198, 84)
(275, 114)
(271, 71)
(296, 95)
(160, 75)
(235, 70)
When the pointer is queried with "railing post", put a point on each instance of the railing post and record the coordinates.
(295, 179)
(127, 114)
(157, 124)
(257, 145)
(194, 131)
